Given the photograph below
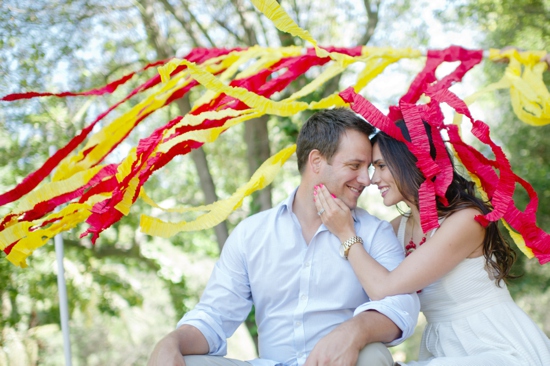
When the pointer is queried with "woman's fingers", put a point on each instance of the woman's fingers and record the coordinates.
(318, 203)
(330, 200)
(333, 212)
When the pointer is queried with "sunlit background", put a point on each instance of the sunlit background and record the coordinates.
(130, 289)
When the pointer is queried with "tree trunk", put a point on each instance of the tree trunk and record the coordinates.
(256, 137)
(205, 177)
(158, 41)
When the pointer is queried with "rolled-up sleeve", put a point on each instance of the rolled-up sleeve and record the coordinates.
(401, 309)
(226, 300)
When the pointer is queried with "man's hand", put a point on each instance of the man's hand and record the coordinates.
(339, 348)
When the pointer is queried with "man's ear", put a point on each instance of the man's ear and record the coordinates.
(315, 161)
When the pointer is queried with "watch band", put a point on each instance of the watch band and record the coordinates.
(348, 243)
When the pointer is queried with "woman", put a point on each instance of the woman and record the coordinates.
(458, 269)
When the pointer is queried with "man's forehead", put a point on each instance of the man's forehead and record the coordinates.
(353, 156)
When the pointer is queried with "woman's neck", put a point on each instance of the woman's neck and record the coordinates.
(414, 219)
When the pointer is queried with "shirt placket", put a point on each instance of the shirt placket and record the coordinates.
(303, 299)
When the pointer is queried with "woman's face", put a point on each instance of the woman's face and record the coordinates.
(383, 178)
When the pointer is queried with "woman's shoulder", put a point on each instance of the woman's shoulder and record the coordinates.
(463, 233)
(464, 222)
(467, 214)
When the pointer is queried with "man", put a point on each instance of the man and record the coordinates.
(310, 307)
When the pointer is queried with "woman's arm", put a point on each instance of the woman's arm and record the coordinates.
(458, 237)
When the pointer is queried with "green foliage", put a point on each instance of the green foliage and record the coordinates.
(522, 24)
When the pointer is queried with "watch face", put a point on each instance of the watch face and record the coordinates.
(342, 251)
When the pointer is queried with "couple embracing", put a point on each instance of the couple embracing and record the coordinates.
(331, 284)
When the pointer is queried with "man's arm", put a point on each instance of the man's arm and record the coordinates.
(186, 340)
(224, 304)
(341, 346)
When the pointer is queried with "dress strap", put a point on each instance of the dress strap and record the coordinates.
(403, 227)
(401, 230)
(441, 219)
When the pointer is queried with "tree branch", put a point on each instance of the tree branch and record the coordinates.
(153, 31)
(183, 22)
(251, 39)
(372, 13)
(229, 30)
(197, 23)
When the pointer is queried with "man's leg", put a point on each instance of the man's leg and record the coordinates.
(375, 354)
(201, 360)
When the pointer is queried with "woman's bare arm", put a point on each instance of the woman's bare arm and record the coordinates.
(458, 237)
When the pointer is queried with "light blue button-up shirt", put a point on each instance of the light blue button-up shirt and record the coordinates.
(301, 292)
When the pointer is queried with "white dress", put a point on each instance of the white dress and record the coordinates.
(471, 321)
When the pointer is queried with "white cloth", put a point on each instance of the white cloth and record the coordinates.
(471, 321)
(300, 292)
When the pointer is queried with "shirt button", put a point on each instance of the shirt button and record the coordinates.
(300, 354)
(306, 264)
(298, 323)
(303, 297)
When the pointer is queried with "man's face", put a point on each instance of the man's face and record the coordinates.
(347, 174)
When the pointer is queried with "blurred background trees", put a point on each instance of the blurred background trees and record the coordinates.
(129, 289)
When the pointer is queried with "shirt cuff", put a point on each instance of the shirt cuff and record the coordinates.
(403, 319)
(217, 342)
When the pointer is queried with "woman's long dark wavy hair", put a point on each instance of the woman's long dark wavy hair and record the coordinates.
(499, 256)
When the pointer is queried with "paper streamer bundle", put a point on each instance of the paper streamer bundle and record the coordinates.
(242, 84)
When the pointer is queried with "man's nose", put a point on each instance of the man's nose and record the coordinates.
(374, 177)
(364, 177)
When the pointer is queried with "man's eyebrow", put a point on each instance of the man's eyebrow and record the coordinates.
(350, 161)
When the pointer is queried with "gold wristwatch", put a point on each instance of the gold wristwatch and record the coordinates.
(344, 248)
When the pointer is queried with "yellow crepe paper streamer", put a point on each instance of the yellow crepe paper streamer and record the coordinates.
(209, 135)
(27, 241)
(103, 141)
(204, 136)
(71, 215)
(274, 12)
(13, 233)
(266, 58)
(266, 106)
(143, 195)
(56, 188)
(518, 239)
(528, 94)
(221, 209)
(376, 60)
(195, 120)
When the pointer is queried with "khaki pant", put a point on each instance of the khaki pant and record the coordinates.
(374, 354)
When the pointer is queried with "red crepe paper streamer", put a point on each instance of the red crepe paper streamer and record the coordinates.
(499, 187)
(104, 214)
